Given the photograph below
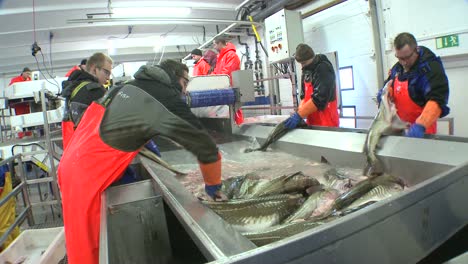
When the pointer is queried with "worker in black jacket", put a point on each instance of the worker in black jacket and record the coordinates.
(81, 89)
(111, 133)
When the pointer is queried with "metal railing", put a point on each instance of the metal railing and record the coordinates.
(450, 121)
(26, 212)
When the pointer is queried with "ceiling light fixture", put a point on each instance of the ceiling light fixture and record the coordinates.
(150, 12)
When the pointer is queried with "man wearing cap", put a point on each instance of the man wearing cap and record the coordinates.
(201, 66)
(318, 92)
(80, 67)
(23, 77)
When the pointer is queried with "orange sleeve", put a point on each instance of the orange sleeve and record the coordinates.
(211, 171)
(306, 108)
(430, 114)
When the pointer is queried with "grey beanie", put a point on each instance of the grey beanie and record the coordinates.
(303, 53)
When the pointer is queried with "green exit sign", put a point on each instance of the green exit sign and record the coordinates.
(447, 41)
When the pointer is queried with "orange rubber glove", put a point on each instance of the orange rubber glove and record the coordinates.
(429, 115)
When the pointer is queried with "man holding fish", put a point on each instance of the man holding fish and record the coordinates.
(418, 85)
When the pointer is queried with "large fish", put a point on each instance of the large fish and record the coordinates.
(231, 185)
(362, 188)
(294, 182)
(257, 214)
(249, 186)
(315, 206)
(382, 191)
(279, 131)
(386, 121)
(275, 233)
(339, 178)
(240, 186)
(150, 155)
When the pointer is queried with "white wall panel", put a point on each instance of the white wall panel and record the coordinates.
(457, 100)
(426, 20)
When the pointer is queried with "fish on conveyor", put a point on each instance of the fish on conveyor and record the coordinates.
(251, 183)
(349, 210)
(279, 131)
(257, 214)
(315, 206)
(382, 191)
(279, 232)
(338, 178)
(334, 178)
(362, 188)
(294, 182)
(386, 121)
(150, 155)
(232, 185)
(242, 203)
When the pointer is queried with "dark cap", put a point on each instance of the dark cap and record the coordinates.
(196, 52)
(83, 62)
(303, 53)
(26, 69)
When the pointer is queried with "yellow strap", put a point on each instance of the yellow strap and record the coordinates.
(254, 29)
(7, 213)
(78, 88)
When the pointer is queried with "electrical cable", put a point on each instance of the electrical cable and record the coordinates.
(24, 145)
(34, 20)
(164, 46)
(36, 48)
(50, 75)
(162, 54)
(130, 31)
(45, 77)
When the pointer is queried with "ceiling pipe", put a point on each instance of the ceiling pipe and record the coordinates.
(273, 8)
(173, 21)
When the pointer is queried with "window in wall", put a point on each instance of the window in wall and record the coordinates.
(346, 78)
(349, 117)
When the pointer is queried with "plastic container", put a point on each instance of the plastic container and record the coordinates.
(36, 246)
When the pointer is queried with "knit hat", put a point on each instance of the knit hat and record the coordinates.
(211, 57)
(83, 62)
(303, 53)
(26, 69)
(196, 52)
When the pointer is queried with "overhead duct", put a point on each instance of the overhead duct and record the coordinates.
(276, 6)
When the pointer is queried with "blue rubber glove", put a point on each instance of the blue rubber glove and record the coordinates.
(416, 131)
(379, 96)
(293, 121)
(153, 147)
(211, 190)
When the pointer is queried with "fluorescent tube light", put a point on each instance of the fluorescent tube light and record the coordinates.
(151, 11)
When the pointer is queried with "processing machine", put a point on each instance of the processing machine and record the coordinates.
(158, 221)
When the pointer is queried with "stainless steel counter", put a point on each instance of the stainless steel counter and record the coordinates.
(402, 229)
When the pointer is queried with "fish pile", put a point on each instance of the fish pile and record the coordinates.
(266, 211)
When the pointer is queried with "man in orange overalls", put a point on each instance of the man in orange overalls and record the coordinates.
(419, 86)
(201, 66)
(111, 133)
(318, 94)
